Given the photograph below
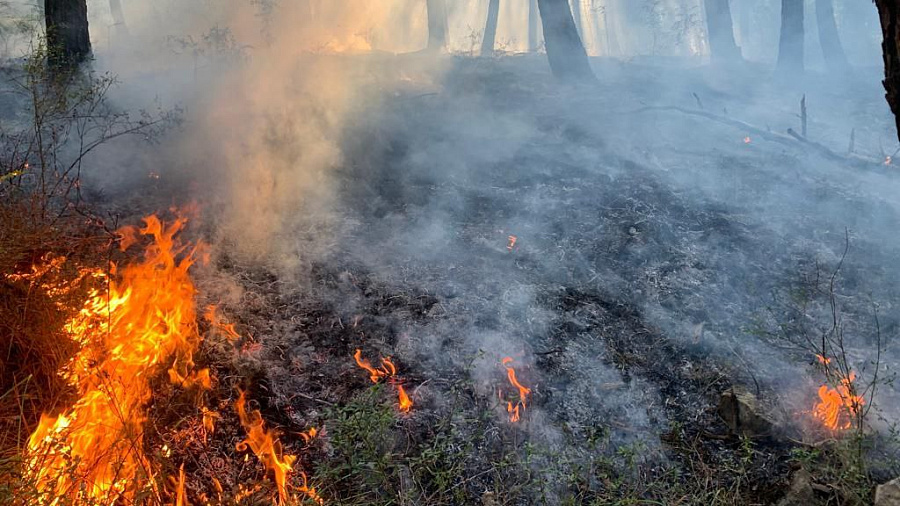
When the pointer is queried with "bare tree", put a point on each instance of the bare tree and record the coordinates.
(568, 59)
(889, 12)
(68, 39)
(832, 49)
(437, 25)
(720, 27)
(790, 47)
(490, 29)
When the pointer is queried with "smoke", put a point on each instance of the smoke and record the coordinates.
(653, 247)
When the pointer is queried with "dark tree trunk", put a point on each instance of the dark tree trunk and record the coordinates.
(68, 41)
(118, 15)
(568, 59)
(437, 25)
(832, 49)
(490, 29)
(534, 26)
(790, 47)
(720, 27)
(889, 11)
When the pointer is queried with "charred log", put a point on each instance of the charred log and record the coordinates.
(832, 49)
(68, 40)
(790, 46)
(720, 26)
(568, 59)
(889, 12)
(490, 29)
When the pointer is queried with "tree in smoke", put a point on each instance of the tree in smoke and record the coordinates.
(437, 25)
(534, 26)
(790, 46)
(568, 59)
(490, 29)
(68, 40)
(832, 49)
(720, 28)
(118, 15)
(889, 12)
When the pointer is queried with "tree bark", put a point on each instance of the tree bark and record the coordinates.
(118, 15)
(490, 29)
(534, 27)
(720, 27)
(68, 40)
(832, 49)
(889, 12)
(437, 24)
(568, 59)
(790, 47)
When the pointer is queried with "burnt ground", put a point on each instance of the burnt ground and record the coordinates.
(660, 261)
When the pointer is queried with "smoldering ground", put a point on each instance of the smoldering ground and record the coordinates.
(366, 199)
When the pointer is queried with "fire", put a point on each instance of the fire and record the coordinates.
(888, 160)
(837, 406)
(823, 359)
(142, 319)
(268, 449)
(524, 392)
(512, 242)
(747, 140)
(404, 400)
(387, 370)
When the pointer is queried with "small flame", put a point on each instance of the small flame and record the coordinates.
(512, 242)
(888, 160)
(747, 140)
(404, 400)
(268, 449)
(523, 392)
(387, 370)
(837, 406)
(823, 359)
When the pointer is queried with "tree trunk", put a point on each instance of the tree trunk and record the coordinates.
(720, 28)
(568, 59)
(534, 27)
(68, 41)
(832, 49)
(577, 17)
(889, 11)
(490, 29)
(790, 47)
(437, 25)
(118, 15)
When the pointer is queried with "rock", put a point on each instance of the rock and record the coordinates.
(888, 494)
(741, 412)
(801, 492)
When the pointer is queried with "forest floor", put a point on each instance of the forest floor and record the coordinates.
(639, 247)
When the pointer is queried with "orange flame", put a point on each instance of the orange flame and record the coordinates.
(747, 140)
(524, 392)
(823, 359)
(404, 400)
(512, 242)
(143, 318)
(387, 370)
(268, 449)
(837, 406)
